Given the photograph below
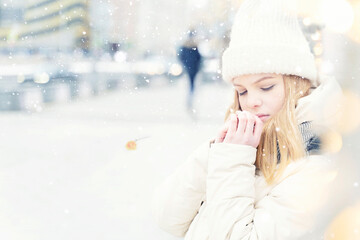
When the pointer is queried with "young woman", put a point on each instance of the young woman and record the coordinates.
(263, 176)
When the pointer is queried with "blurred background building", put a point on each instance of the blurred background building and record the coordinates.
(132, 32)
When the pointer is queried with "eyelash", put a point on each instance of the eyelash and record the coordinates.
(264, 89)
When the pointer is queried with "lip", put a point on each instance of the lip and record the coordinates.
(263, 117)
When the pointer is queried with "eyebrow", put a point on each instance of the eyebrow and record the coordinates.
(259, 80)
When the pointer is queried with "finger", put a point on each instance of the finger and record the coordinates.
(259, 125)
(249, 130)
(232, 124)
(242, 122)
(221, 135)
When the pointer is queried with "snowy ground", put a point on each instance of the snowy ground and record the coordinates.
(65, 172)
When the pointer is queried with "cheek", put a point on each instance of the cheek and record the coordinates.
(278, 99)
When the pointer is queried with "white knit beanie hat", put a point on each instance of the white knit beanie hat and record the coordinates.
(266, 38)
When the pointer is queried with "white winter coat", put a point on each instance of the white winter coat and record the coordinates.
(217, 193)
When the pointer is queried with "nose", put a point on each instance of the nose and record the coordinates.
(254, 101)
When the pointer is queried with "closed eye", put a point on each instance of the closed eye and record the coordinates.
(268, 88)
(264, 89)
(242, 93)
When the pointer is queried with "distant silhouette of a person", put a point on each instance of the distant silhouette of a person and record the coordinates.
(190, 58)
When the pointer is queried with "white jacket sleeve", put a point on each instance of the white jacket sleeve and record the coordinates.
(285, 213)
(177, 200)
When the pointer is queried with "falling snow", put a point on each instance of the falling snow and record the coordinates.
(79, 82)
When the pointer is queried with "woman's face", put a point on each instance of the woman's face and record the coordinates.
(260, 94)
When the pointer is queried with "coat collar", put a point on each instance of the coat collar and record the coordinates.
(321, 106)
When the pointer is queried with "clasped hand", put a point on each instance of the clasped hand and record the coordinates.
(241, 128)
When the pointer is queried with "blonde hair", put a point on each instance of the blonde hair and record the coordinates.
(280, 129)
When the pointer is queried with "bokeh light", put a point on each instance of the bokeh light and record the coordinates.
(354, 32)
(331, 141)
(346, 225)
(349, 119)
(338, 15)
